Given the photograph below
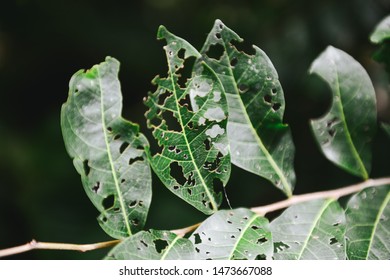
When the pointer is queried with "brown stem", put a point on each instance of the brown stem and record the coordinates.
(34, 245)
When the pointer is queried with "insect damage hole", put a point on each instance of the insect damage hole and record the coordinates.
(176, 171)
(123, 147)
(108, 202)
(160, 245)
(197, 238)
(96, 187)
(215, 51)
(132, 160)
(86, 167)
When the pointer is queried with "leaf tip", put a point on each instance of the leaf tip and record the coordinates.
(161, 32)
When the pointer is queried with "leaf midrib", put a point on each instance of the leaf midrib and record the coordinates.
(120, 198)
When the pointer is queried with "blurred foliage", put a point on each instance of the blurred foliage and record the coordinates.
(43, 42)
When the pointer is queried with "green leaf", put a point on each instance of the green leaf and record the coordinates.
(381, 31)
(386, 128)
(107, 151)
(153, 245)
(259, 141)
(310, 230)
(233, 234)
(195, 155)
(368, 227)
(346, 131)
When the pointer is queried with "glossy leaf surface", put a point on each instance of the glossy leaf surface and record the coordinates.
(310, 230)
(195, 156)
(368, 224)
(153, 245)
(233, 234)
(107, 151)
(259, 141)
(345, 132)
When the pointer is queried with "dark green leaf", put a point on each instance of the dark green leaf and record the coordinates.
(195, 155)
(107, 151)
(368, 226)
(345, 133)
(259, 141)
(233, 234)
(310, 230)
(153, 245)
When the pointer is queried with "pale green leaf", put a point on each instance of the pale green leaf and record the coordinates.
(195, 155)
(153, 245)
(233, 234)
(259, 141)
(310, 230)
(107, 151)
(381, 31)
(368, 226)
(345, 132)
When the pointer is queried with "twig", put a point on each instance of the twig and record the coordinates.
(33, 245)
(261, 210)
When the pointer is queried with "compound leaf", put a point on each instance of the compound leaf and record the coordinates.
(107, 151)
(233, 234)
(195, 154)
(259, 141)
(310, 230)
(153, 245)
(368, 226)
(345, 133)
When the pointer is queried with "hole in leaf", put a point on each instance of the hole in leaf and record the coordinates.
(267, 98)
(86, 167)
(109, 129)
(332, 122)
(185, 101)
(255, 227)
(332, 132)
(333, 240)
(261, 240)
(171, 121)
(211, 166)
(160, 245)
(143, 243)
(141, 203)
(243, 88)
(189, 191)
(215, 51)
(123, 147)
(135, 222)
(177, 151)
(96, 187)
(190, 125)
(280, 246)
(116, 137)
(117, 209)
(274, 91)
(176, 188)
(218, 35)
(132, 160)
(229, 222)
(234, 62)
(191, 180)
(104, 219)
(123, 180)
(198, 240)
(181, 53)
(261, 257)
(177, 173)
(133, 203)
(207, 144)
(336, 224)
(276, 106)
(232, 236)
(171, 148)
(108, 202)
(243, 46)
(197, 249)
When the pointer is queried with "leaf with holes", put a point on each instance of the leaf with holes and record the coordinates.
(107, 151)
(310, 230)
(153, 245)
(195, 157)
(233, 234)
(259, 141)
(368, 226)
(346, 131)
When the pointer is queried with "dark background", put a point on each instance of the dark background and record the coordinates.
(42, 43)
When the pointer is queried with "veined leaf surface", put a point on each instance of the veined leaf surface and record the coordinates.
(195, 152)
(259, 141)
(368, 226)
(345, 132)
(310, 230)
(107, 151)
(233, 234)
(153, 245)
